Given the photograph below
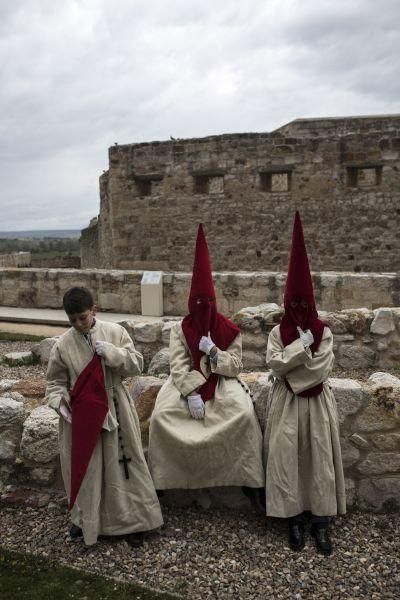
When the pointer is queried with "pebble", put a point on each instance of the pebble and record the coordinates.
(207, 559)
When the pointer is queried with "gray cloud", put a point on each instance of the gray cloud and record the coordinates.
(78, 76)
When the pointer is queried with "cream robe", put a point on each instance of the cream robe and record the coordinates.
(223, 449)
(107, 503)
(301, 443)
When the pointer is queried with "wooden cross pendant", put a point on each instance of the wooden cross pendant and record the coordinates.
(125, 460)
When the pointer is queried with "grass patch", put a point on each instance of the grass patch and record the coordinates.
(26, 577)
(6, 336)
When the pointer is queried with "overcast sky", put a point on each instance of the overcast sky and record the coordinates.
(77, 76)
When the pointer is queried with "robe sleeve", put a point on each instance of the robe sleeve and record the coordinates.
(283, 359)
(185, 378)
(316, 369)
(123, 358)
(58, 381)
(229, 362)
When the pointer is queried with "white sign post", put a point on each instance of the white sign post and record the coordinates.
(151, 288)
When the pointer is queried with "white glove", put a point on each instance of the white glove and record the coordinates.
(306, 337)
(272, 376)
(196, 406)
(65, 410)
(206, 344)
(99, 348)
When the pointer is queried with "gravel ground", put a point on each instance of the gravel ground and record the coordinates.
(24, 372)
(210, 554)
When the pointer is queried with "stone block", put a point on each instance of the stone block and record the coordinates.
(160, 363)
(375, 418)
(355, 357)
(166, 331)
(380, 379)
(383, 322)
(380, 463)
(39, 442)
(349, 395)
(18, 358)
(253, 360)
(147, 332)
(351, 492)
(9, 444)
(11, 412)
(7, 384)
(109, 301)
(359, 441)
(379, 494)
(260, 387)
(386, 441)
(30, 388)
(350, 454)
(43, 349)
(144, 391)
(257, 342)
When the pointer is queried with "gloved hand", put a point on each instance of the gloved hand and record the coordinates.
(65, 410)
(206, 344)
(306, 337)
(272, 376)
(196, 406)
(100, 348)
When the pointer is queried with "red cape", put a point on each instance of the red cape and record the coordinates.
(89, 403)
(203, 317)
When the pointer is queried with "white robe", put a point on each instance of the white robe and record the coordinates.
(224, 448)
(301, 443)
(107, 503)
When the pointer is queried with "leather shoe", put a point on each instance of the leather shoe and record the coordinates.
(322, 540)
(75, 532)
(296, 536)
(135, 540)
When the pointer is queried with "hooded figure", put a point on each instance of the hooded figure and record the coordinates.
(301, 444)
(203, 430)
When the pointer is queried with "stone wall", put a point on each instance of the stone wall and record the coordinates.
(342, 174)
(363, 339)
(15, 259)
(119, 291)
(369, 415)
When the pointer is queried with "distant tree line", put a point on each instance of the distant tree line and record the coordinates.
(41, 247)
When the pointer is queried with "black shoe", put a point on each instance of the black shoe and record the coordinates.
(296, 536)
(75, 532)
(322, 540)
(135, 540)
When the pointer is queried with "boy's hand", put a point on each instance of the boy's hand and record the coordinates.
(99, 348)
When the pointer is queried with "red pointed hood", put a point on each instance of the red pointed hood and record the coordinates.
(299, 303)
(203, 316)
(202, 281)
(89, 403)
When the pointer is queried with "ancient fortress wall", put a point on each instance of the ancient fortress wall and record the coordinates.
(343, 175)
(119, 291)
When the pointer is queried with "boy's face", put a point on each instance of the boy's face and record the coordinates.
(83, 321)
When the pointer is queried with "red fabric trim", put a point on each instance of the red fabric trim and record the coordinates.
(89, 404)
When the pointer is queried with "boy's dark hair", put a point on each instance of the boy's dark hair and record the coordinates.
(77, 300)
